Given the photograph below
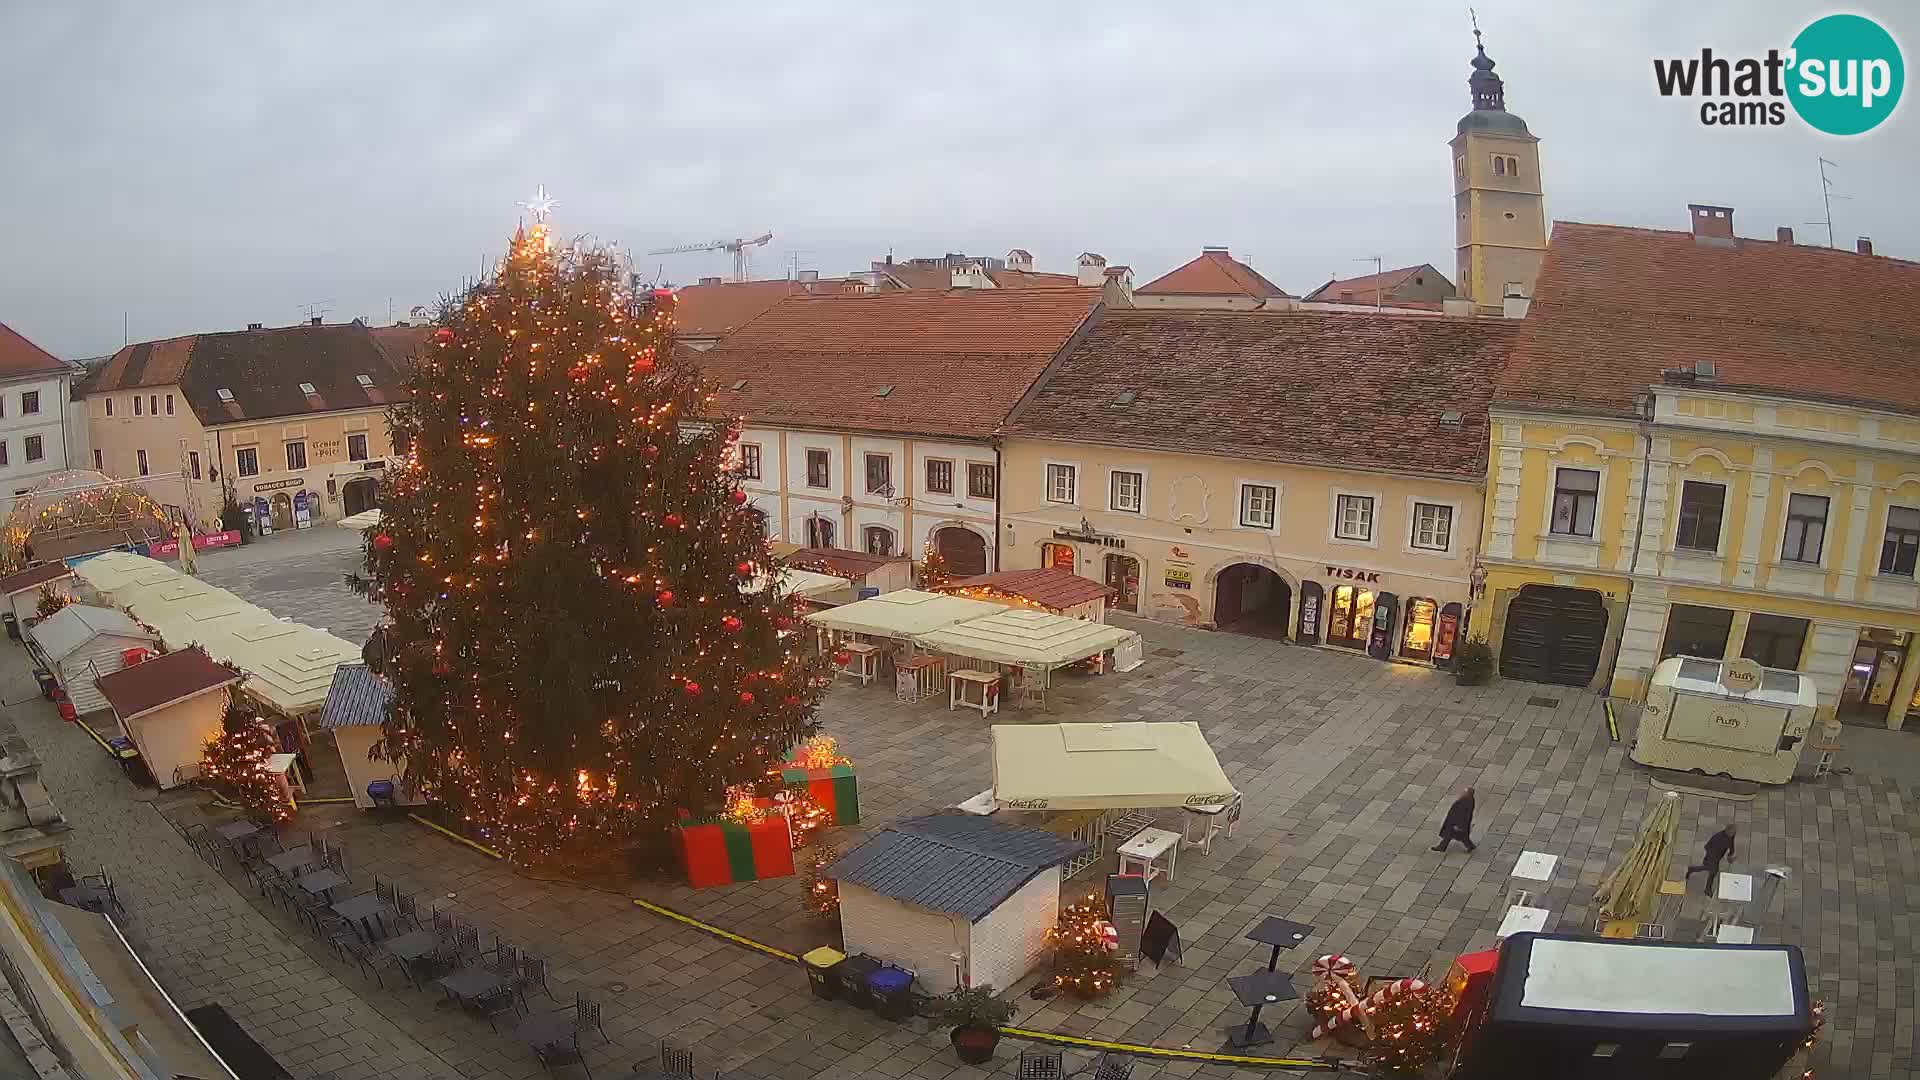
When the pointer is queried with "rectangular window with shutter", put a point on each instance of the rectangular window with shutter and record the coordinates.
(1432, 526)
(1353, 517)
(983, 480)
(1060, 483)
(1126, 491)
(1702, 505)
(880, 475)
(1257, 505)
(819, 469)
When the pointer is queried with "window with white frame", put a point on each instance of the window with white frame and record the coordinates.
(1702, 506)
(880, 474)
(750, 460)
(30, 403)
(1258, 505)
(1432, 526)
(36, 448)
(1901, 548)
(297, 454)
(1576, 497)
(1060, 483)
(1353, 517)
(140, 457)
(357, 446)
(983, 479)
(819, 471)
(246, 461)
(1806, 529)
(939, 476)
(1126, 491)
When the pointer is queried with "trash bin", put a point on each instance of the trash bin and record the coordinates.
(854, 972)
(13, 624)
(47, 682)
(821, 974)
(892, 998)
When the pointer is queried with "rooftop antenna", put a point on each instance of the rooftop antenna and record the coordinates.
(1826, 198)
(1379, 267)
(316, 309)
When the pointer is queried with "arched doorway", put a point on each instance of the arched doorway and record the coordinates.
(879, 540)
(1250, 599)
(964, 550)
(1553, 635)
(283, 511)
(819, 532)
(1123, 577)
(360, 495)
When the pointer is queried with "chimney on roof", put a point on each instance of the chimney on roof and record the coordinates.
(1457, 307)
(313, 320)
(1117, 291)
(1712, 225)
(1784, 234)
(1864, 245)
(255, 326)
(971, 276)
(1514, 305)
(1215, 250)
(710, 281)
(1093, 270)
(1020, 259)
(807, 275)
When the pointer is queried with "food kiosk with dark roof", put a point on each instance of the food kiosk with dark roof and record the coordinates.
(1569, 1006)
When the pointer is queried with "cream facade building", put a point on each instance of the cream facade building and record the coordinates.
(1202, 465)
(291, 420)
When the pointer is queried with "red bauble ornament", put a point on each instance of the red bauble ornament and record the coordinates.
(746, 697)
(744, 569)
(664, 598)
(781, 622)
(662, 294)
(792, 701)
(692, 688)
(672, 521)
(731, 624)
(441, 669)
(843, 658)
(579, 372)
(443, 336)
(642, 366)
(382, 542)
(739, 497)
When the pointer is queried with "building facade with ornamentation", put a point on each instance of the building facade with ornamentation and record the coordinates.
(1709, 445)
(1307, 475)
(292, 420)
(868, 420)
(38, 433)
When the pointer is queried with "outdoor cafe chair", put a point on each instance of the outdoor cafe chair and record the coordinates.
(586, 1014)
(675, 1060)
(557, 1057)
(494, 1004)
(1113, 1066)
(1042, 1065)
(337, 861)
(442, 922)
(533, 972)
(103, 881)
(406, 912)
(384, 890)
(505, 960)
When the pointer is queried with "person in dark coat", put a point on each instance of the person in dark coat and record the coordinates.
(1459, 823)
(1719, 846)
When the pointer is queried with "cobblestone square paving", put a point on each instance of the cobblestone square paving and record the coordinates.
(1346, 765)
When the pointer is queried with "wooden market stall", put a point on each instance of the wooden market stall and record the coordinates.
(1033, 641)
(170, 706)
(858, 571)
(1048, 588)
(922, 891)
(21, 591)
(355, 709)
(80, 643)
(901, 616)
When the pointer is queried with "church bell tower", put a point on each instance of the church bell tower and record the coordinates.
(1500, 221)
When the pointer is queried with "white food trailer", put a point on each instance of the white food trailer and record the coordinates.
(1733, 718)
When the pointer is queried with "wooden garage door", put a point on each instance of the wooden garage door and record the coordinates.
(1553, 635)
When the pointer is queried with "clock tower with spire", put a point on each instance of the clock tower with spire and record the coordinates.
(1500, 226)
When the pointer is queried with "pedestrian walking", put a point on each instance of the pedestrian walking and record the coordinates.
(1719, 846)
(1459, 823)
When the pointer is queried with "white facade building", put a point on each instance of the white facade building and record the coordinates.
(38, 433)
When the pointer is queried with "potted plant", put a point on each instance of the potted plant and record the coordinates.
(1473, 663)
(976, 1013)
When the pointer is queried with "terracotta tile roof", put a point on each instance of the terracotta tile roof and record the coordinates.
(34, 577)
(401, 342)
(712, 311)
(956, 360)
(847, 564)
(18, 356)
(264, 369)
(932, 278)
(1614, 307)
(1032, 279)
(1214, 273)
(163, 680)
(1360, 290)
(1335, 389)
(1056, 588)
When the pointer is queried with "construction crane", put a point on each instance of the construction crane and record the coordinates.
(742, 258)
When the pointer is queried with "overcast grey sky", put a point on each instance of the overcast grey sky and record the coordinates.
(200, 166)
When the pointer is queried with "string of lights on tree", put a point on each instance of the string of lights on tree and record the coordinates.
(1084, 946)
(565, 556)
(235, 763)
(933, 568)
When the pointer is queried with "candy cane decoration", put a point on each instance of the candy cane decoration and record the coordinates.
(1357, 1010)
(1335, 966)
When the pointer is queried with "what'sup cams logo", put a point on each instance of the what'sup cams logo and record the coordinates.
(1842, 75)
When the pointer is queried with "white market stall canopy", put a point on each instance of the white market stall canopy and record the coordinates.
(904, 613)
(1028, 638)
(365, 519)
(114, 571)
(801, 583)
(1105, 766)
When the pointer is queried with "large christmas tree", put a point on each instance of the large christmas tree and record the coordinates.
(566, 560)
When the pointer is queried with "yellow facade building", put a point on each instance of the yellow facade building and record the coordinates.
(1707, 445)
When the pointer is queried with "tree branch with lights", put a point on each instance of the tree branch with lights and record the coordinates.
(565, 557)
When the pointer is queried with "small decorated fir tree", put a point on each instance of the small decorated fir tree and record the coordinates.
(933, 569)
(51, 600)
(1083, 946)
(236, 764)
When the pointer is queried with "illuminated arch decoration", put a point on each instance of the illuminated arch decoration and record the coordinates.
(76, 502)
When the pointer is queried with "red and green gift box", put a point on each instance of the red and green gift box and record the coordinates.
(833, 789)
(726, 852)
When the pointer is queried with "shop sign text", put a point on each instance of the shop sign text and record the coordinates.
(1348, 573)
